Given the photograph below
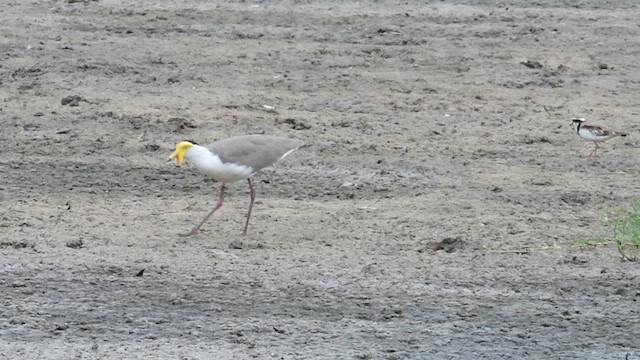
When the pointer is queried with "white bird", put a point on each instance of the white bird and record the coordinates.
(234, 159)
(595, 133)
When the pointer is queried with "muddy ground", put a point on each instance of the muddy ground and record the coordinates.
(439, 211)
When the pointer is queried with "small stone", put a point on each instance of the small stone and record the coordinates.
(73, 100)
(75, 243)
(236, 244)
(532, 64)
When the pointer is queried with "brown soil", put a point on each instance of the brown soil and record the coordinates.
(434, 214)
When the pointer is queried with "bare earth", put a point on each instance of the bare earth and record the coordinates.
(436, 213)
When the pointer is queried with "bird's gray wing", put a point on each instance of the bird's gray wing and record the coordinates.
(255, 151)
(599, 130)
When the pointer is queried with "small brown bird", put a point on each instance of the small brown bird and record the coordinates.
(595, 133)
(234, 159)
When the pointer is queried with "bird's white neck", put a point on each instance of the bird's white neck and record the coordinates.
(203, 159)
(211, 164)
(577, 126)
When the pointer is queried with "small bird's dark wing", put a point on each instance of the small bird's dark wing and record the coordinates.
(599, 130)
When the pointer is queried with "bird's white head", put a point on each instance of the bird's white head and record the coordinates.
(181, 150)
(575, 122)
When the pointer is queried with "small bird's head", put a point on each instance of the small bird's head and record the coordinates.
(181, 150)
(576, 121)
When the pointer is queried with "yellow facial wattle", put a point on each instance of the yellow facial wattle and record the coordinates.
(180, 152)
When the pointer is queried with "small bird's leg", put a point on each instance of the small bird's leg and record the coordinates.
(593, 153)
(252, 193)
(196, 229)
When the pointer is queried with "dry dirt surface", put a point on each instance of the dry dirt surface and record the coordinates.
(435, 213)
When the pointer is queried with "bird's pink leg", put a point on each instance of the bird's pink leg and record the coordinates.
(196, 229)
(252, 193)
(593, 153)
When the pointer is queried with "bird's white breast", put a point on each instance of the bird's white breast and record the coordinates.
(210, 164)
(590, 136)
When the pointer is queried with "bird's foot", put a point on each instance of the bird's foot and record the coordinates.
(190, 233)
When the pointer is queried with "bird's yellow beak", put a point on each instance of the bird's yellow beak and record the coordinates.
(180, 152)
